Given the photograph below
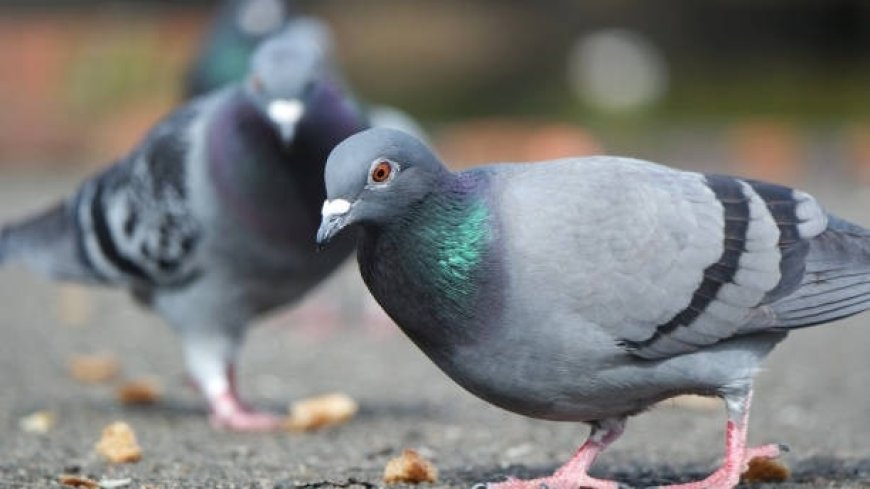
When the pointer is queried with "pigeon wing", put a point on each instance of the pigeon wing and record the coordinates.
(666, 262)
(135, 221)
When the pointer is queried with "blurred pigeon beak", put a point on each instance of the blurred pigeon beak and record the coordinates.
(334, 217)
(286, 115)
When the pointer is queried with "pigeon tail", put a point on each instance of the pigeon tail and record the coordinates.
(836, 283)
(47, 243)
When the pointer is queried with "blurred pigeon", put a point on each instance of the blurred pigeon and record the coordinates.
(209, 219)
(589, 289)
(237, 29)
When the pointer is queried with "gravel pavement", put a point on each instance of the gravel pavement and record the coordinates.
(812, 396)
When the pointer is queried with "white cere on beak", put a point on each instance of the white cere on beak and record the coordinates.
(335, 207)
(285, 111)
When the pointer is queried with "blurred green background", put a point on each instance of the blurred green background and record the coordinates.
(776, 89)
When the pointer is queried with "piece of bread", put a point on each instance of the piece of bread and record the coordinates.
(118, 444)
(410, 468)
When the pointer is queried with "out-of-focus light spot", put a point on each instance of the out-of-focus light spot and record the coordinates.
(617, 70)
(768, 149)
(259, 17)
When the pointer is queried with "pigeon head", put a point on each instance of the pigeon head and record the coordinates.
(374, 177)
(260, 17)
(286, 73)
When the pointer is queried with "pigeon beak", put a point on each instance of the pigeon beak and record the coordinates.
(286, 115)
(334, 219)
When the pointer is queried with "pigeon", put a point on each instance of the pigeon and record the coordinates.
(208, 220)
(589, 289)
(238, 28)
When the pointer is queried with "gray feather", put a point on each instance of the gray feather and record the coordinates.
(837, 279)
(782, 205)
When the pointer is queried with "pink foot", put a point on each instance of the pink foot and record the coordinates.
(573, 474)
(736, 461)
(554, 482)
(724, 478)
(228, 413)
(247, 421)
(772, 450)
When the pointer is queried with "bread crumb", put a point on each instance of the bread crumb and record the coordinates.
(409, 468)
(765, 470)
(78, 481)
(39, 422)
(321, 412)
(118, 444)
(139, 392)
(92, 369)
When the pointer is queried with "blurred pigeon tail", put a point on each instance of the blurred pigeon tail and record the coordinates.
(46, 243)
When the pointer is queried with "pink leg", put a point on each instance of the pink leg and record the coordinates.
(228, 412)
(573, 475)
(210, 361)
(737, 455)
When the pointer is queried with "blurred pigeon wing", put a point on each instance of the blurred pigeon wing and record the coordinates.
(134, 219)
(129, 224)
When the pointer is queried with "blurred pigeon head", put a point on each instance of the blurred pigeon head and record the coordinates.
(287, 70)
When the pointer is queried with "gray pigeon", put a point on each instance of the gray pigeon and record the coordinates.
(239, 26)
(589, 289)
(209, 219)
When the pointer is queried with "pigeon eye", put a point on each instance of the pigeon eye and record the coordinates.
(381, 172)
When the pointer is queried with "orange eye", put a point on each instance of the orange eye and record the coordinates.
(381, 172)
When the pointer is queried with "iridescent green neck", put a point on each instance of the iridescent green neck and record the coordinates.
(446, 242)
(433, 270)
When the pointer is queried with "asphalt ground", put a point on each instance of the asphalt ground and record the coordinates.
(812, 396)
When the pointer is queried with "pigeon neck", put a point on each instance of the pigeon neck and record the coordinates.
(426, 269)
(331, 116)
(270, 188)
